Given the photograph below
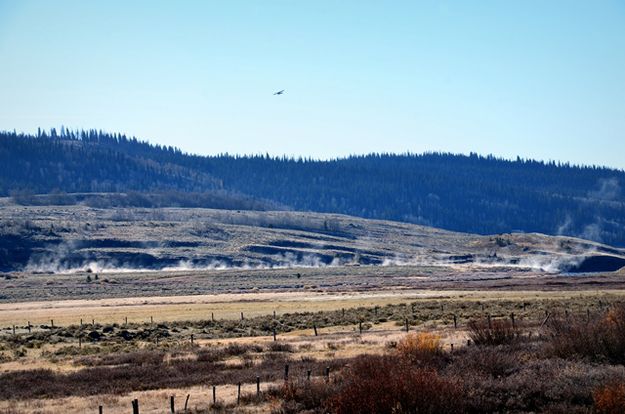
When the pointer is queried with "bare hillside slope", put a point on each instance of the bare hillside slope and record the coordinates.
(61, 239)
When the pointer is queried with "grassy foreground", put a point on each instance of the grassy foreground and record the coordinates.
(562, 353)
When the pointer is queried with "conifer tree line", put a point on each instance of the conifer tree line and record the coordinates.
(470, 193)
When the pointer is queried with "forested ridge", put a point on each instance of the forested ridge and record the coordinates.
(479, 194)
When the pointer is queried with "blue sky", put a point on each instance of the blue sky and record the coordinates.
(539, 79)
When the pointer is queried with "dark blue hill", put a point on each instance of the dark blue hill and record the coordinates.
(466, 193)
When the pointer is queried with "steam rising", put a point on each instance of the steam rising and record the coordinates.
(608, 190)
(68, 258)
(537, 263)
(58, 264)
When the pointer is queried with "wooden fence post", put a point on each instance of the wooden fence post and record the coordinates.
(79, 342)
(360, 327)
(239, 394)
(214, 395)
(274, 334)
(126, 320)
(327, 373)
(274, 314)
(81, 323)
(308, 374)
(455, 322)
(52, 323)
(286, 372)
(135, 406)
(191, 339)
(213, 316)
(186, 402)
(100, 409)
(407, 326)
(172, 404)
(242, 316)
(257, 386)
(29, 326)
(151, 320)
(13, 330)
(315, 329)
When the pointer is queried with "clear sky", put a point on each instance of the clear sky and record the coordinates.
(539, 79)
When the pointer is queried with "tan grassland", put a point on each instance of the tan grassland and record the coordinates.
(230, 306)
(332, 342)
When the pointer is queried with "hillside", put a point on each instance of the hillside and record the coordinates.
(79, 238)
(475, 194)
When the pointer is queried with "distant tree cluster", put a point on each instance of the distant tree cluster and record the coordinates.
(465, 193)
(91, 161)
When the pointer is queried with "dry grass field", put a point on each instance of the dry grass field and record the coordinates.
(184, 352)
(229, 306)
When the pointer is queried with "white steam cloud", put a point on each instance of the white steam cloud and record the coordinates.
(56, 262)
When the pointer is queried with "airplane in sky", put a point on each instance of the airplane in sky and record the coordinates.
(279, 92)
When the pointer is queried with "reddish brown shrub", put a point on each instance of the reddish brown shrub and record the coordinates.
(600, 339)
(610, 399)
(420, 341)
(422, 348)
(387, 384)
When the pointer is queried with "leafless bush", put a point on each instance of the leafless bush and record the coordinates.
(494, 332)
(538, 385)
(302, 395)
(491, 361)
(211, 355)
(279, 347)
(235, 349)
(388, 384)
(599, 339)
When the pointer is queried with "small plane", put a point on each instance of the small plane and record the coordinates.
(279, 92)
